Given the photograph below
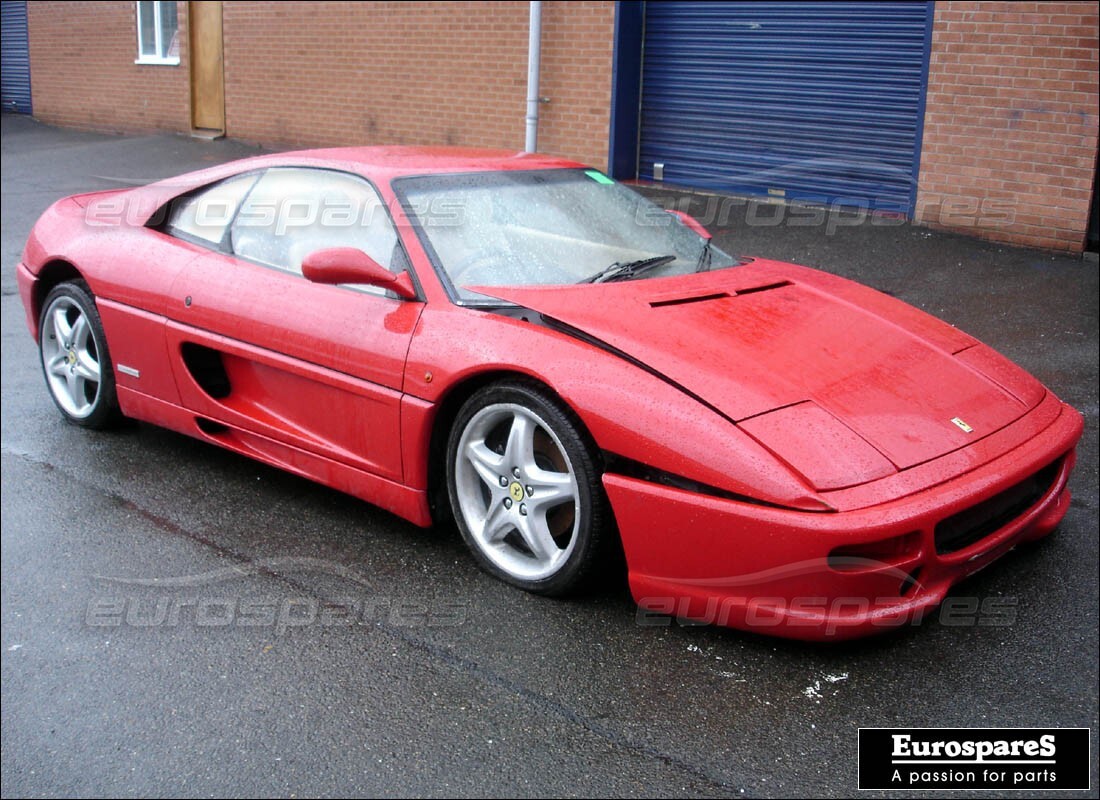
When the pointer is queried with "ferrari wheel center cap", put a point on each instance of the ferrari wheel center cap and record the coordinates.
(71, 357)
(515, 491)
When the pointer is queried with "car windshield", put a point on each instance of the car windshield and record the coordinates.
(546, 227)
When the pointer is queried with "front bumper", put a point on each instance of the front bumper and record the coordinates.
(833, 575)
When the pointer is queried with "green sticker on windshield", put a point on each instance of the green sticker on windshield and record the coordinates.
(598, 177)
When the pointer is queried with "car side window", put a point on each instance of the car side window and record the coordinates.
(205, 215)
(293, 211)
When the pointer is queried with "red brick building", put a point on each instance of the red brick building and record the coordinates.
(978, 116)
(1011, 118)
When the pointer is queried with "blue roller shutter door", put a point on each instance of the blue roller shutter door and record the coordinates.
(820, 102)
(15, 61)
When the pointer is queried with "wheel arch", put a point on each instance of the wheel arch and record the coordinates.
(53, 272)
(88, 354)
(447, 410)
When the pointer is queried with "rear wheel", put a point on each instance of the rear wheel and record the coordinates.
(525, 489)
(75, 360)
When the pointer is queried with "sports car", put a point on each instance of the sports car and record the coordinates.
(574, 376)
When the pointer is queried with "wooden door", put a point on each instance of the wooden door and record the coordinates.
(207, 74)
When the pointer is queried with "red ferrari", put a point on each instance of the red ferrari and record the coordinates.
(527, 346)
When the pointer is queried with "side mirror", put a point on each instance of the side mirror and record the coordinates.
(349, 265)
(690, 222)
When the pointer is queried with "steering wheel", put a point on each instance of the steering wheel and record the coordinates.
(506, 269)
(479, 258)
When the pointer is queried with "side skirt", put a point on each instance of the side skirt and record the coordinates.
(411, 504)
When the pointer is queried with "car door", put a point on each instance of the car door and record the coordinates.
(258, 349)
(145, 261)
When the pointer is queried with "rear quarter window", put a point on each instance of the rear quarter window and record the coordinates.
(205, 215)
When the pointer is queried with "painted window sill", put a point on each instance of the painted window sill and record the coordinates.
(160, 62)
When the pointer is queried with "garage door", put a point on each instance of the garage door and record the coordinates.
(15, 62)
(818, 102)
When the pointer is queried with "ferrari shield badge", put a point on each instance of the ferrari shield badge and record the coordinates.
(961, 423)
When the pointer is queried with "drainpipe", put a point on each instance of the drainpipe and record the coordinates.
(534, 47)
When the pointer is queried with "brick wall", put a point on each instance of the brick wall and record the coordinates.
(577, 45)
(1010, 130)
(335, 73)
(83, 73)
(321, 73)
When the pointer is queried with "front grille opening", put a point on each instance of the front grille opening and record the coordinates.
(961, 530)
(872, 556)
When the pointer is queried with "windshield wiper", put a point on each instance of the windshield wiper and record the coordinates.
(620, 271)
(703, 264)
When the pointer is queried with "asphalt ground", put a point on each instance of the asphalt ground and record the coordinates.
(178, 620)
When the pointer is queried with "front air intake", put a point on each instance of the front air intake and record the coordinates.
(961, 530)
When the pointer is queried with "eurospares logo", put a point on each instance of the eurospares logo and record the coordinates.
(1021, 759)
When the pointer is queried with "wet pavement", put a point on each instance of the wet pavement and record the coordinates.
(180, 620)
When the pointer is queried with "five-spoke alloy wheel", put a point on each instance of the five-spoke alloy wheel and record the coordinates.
(74, 357)
(524, 488)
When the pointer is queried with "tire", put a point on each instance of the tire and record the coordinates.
(75, 359)
(525, 489)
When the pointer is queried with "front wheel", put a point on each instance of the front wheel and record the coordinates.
(525, 489)
(75, 361)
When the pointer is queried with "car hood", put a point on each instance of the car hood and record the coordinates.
(814, 366)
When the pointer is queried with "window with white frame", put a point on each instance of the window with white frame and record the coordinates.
(157, 33)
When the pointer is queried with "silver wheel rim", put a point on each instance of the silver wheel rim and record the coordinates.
(517, 491)
(70, 355)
